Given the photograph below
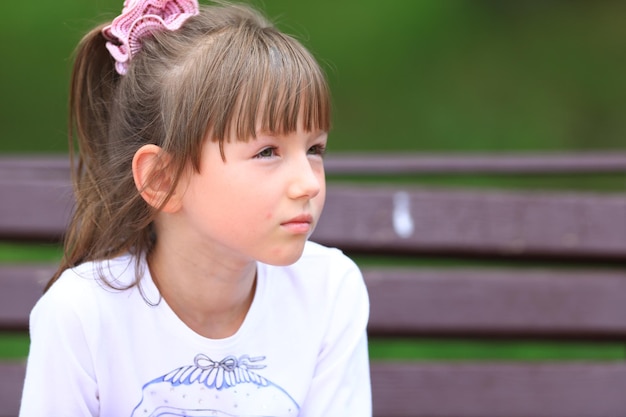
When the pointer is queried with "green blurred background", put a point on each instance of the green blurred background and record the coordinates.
(426, 75)
(420, 75)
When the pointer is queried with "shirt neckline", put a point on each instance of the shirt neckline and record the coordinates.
(152, 297)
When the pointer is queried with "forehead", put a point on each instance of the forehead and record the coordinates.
(275, 86)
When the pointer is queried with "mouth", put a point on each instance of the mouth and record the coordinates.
(299, 224)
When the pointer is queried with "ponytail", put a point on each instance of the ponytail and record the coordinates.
(93, 88)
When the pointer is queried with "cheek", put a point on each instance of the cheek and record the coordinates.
(320, 198)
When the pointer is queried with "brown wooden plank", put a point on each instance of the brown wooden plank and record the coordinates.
(460, 390)
(38, 194)
(424, 221)
(520, 163)
(400, 220)
(34, 167)
(11, 383)
(464, 302)
(35, 210)
(20, 288)
(457, 221)
(437, 302)
(39, 166)
(499, 390)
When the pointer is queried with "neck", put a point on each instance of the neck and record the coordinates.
(211, 294)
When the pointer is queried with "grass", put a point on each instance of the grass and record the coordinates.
(15, 346)
(597, 183)
(477, 350)
(29, 252)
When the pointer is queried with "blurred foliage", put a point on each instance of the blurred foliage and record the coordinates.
(426, 75)
(504, 350)
(15, 346)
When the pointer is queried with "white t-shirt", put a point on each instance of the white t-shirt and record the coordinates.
(301, 350)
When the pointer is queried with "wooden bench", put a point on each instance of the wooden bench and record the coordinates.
(571, 285)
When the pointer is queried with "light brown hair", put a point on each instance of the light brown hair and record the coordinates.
(226, 72)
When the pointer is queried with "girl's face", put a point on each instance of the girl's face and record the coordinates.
(261, 203)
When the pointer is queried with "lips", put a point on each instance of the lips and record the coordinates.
(303, 218)
(299, 224)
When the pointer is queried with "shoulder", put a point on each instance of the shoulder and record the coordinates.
(97, 276)
(337, 293)
(327, 276)
(79, 291)
(316, 257)
(322, 264)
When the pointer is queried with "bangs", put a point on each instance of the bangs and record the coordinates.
(276, 86)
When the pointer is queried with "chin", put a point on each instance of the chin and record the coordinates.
(284, 257)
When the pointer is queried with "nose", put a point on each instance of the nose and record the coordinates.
(307, 179)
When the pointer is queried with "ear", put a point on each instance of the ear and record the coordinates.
(154, 180)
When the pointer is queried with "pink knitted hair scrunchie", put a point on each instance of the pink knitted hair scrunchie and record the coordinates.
(139, 18)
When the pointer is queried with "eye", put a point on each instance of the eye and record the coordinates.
(268, 152)
(319, 150)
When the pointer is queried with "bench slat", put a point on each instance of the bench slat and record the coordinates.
(438, 302)
(25, 166)
(499, 389)
(401, 220)
(517, 303)
(514, 224)
(34, 167)
(460, 390)
(423, 163)
(11, 384)
(22, 285)
(37, 210)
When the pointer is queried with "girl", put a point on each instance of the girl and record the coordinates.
(188, 286)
